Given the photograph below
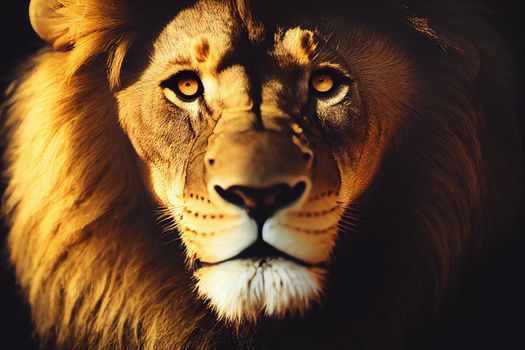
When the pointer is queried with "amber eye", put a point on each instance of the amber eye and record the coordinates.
(322, 82)
(186, 86)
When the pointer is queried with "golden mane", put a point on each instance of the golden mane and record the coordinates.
(81, 191)
(80, 197)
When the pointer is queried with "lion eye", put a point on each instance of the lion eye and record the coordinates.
(322, 82)
(186, 86)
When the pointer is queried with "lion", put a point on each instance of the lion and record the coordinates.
(229, 174)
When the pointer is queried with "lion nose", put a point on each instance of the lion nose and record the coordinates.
(261, 203)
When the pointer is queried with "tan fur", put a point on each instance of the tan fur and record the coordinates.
(92, 27)
(297, 45)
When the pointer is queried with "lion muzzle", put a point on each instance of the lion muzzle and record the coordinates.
(257, 167)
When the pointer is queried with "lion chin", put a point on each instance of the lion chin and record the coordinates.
(244, 289)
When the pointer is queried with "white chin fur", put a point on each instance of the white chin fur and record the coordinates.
(244, 289)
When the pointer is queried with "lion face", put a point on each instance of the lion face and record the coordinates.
(255, 147)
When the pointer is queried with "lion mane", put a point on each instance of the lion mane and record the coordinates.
(90, 254)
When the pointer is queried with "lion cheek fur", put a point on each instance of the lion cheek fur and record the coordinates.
(245, 289)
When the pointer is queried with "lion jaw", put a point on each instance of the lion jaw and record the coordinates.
(241, 287)
(244, 289)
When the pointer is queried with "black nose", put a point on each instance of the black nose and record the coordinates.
(261, 203)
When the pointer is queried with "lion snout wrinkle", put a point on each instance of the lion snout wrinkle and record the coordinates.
(256, 158)
(257, 168)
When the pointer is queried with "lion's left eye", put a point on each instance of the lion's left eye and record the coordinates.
(185, 85)
(329, 86)
(327, 83)
(322, 82)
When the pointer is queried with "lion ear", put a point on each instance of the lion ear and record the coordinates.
(86, 29)
(49, 22)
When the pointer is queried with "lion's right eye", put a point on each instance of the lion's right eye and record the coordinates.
(185, 86)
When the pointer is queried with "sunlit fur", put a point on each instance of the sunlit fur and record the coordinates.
(97, 273)
(211, 229)
(241, 289)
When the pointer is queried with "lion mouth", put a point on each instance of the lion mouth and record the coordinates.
(262, 252)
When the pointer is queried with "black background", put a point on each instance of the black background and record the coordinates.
(491, 315)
